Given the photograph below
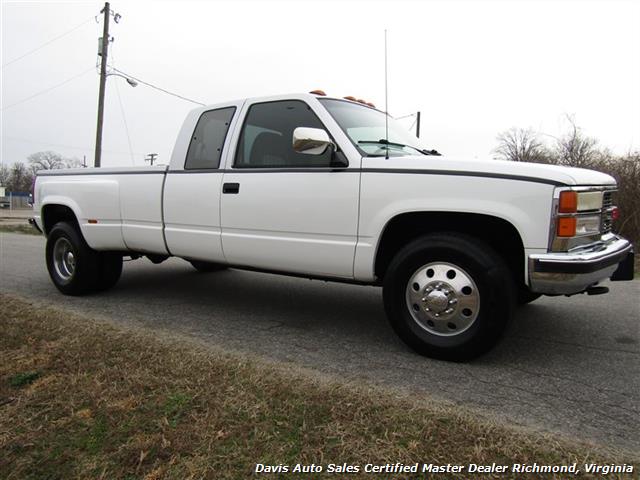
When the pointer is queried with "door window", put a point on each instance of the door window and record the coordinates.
(267, 136)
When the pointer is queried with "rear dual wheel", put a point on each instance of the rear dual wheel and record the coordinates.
(448, 296)
(74, 267)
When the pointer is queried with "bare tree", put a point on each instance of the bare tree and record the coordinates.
(20, 178)
(5, 175)
(73, 162)
(47, 160)
(521, 145)
(576, 149)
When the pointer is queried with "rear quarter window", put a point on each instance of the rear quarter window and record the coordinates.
(208, 138)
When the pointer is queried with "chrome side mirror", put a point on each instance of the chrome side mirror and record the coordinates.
(312, 141)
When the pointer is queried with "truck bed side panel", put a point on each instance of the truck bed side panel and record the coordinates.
(96, 198)
(141, 211)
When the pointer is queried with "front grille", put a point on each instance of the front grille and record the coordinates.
(607, 203)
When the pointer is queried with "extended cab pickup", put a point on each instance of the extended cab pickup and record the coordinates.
(314, 186)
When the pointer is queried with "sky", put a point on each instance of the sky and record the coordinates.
(473, 68)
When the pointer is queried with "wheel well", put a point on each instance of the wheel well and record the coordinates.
(52, 214)
(498, 233)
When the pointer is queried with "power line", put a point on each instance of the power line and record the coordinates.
(42, 92)
(47, 43)
(157, 88)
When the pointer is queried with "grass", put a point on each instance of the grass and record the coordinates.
(19, 228)
(22, 379)
(84, 399)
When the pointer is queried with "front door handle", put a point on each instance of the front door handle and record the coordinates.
(230, 188)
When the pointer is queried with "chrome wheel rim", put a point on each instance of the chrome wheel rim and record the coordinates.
(64, 260)
(443, 299)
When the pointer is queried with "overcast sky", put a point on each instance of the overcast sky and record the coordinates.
(473, 68)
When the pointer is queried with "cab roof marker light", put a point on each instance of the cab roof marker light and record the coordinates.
(318, 92)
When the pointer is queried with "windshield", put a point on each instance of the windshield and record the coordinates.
(365, 127)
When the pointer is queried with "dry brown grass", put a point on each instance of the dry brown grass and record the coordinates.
(84, 399)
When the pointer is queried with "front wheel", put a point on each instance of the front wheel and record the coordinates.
(448, 296)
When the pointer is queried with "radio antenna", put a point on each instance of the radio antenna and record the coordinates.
(386, 99)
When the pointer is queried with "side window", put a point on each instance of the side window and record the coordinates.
(267, 136)
(208, 138)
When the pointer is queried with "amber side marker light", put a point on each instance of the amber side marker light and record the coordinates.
(91, 220)
(568, 202)
(566, 226)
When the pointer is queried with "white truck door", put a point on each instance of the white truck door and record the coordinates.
(283, 210)
(192, 195)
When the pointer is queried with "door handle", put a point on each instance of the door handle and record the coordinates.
(230, 188)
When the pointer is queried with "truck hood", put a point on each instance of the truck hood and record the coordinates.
(499, 168)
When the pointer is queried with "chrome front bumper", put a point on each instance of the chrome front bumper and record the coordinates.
(580, 268)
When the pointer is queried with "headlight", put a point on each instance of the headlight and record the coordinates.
(589, 201)
(588, 225)
(580, 216)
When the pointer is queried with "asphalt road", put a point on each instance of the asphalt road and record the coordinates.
(566, 365)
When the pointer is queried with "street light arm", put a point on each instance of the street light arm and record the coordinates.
(130, 81)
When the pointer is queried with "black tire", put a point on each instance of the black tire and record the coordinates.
(526, 296)
(465, 333)
(110, 270)
(80, 278)
(206, 267)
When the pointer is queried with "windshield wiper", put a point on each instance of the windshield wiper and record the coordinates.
(383, 141)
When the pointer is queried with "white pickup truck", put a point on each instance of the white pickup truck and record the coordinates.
(314, 186)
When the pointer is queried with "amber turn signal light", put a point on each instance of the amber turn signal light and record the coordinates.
(566, 226)
(568, 202)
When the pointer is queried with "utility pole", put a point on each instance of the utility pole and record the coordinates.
(418, 125)
(103, 81)
(151, 157)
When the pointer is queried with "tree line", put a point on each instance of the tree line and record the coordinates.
(19, 176)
